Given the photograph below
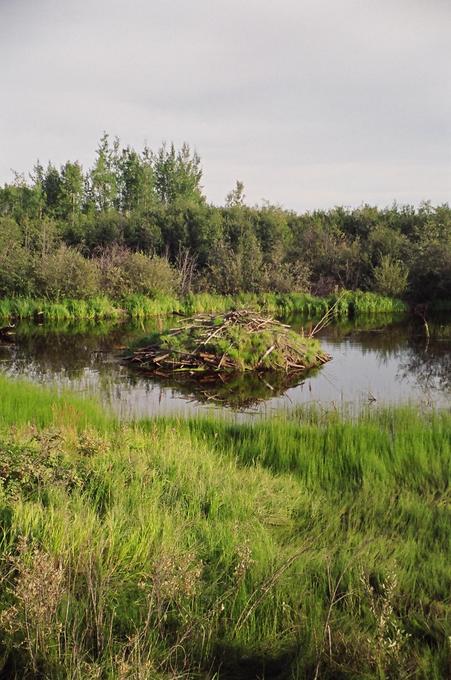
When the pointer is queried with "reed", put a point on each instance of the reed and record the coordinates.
(142, 307)
(302, 547)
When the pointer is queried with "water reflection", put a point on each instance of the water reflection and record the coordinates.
(236, 391)
(386, 360)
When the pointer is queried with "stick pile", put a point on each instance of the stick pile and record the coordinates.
(195, 347)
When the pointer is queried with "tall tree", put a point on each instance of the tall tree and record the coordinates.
(177, 175)
(135, 181)
(235, 198)
(103, 179)
(71, 192)
(52, 188)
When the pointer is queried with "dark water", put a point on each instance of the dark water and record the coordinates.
(383, 361)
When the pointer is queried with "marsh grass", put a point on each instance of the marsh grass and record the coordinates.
(309, 547)
(22, 402)
(345, 304)
(64, 310)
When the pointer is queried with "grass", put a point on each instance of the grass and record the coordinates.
(347, 304)
(302, 547)
(22, 402)
(65, 310)
(358, 303)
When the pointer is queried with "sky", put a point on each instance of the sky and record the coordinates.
(310, 103)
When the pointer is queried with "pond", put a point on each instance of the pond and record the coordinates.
(377, 361)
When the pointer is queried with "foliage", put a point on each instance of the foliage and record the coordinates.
(151, 202)
(15, 260)
(301, 547)
(66, 273)
(177, 174)
(124, 272)
(391, 277)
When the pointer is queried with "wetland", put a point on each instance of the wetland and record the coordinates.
(383, 360)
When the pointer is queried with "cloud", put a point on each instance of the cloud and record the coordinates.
(309, 102)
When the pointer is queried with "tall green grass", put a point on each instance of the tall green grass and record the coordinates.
(142, 307)
(65, 310)
(345, 304)
(302, 547)
(24, 403)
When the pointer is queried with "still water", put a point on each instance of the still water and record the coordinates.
(374, 361)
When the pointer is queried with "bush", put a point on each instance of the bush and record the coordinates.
(235, 271)
(150, 275)
(123, 273)
(14, 260)
(431, 272)
(66, 273)
(288, 277)
(391, 277)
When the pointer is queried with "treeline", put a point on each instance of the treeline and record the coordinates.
(139, 222)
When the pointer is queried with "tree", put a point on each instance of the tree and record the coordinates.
(102, 179)
(71, 192)
(177, 175)
(391, 277)
(235, 198)
(19, 200)
(52, 189)
(273, 232)
(135, 181)
(14, 259)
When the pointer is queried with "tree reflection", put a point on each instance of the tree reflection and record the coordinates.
(430, 366)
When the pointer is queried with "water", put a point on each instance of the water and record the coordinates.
(384, 361)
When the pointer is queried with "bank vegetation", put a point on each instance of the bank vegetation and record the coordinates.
(139, 223)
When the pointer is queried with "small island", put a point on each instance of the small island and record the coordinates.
(226, 344)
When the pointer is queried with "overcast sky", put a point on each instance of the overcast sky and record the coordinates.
(311, 103)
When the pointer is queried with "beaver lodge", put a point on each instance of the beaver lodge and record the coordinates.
(219, 345)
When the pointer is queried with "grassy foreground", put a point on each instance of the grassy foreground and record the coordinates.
(345, 304)
(309, 547)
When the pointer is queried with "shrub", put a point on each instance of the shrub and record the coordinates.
(288, 277)
(66, 273)
(14, 259)
(391, 277)
(241, 270)
(150, 275)
(431, 272)
(124, 273)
